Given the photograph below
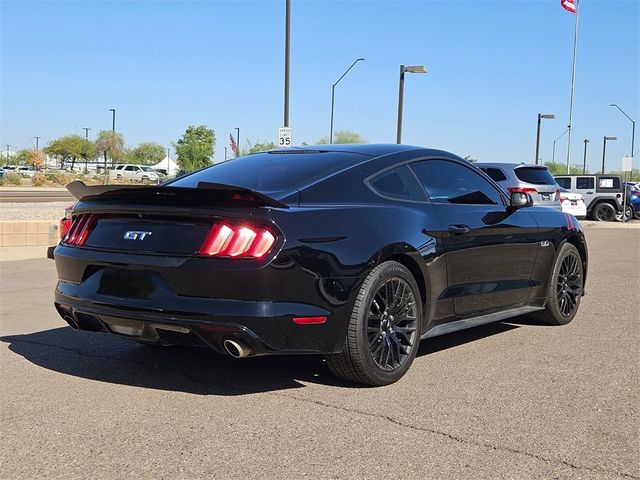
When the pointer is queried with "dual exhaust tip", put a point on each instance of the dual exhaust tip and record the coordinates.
(236, 348)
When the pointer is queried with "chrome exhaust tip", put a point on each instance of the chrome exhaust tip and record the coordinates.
(236, 348)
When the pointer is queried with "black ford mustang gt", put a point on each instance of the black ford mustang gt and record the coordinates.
(357, 252)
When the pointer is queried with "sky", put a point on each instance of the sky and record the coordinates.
(163, 65)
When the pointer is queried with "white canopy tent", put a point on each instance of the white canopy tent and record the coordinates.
(167, 164)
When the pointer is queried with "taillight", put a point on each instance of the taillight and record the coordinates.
(65, 223)
(80, 229)
(522, 190)
(237, 240)
(562, 199)
(63, 227)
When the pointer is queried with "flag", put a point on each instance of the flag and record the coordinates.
(569, 5)
(233, 145)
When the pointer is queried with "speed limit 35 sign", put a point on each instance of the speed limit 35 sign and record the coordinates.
(284, 136)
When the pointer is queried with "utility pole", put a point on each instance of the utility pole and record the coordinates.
(37, 143)
(584, 160)
(287, 58)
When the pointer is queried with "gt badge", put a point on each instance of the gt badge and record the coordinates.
(135, 235)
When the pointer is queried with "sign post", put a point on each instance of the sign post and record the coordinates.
(284, 137)
(627, 166)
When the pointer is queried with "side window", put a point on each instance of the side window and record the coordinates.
(564, 182)
(496, 174)
(129, 168)
(450, 182)
(398, 183)
(585, 183)
(609, 182)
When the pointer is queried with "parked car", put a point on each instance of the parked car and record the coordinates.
(2, 173)
(532, 179)
(25, 171)
(10, 168)
(602, 193)
(137, 173)
(356, 252)
(573, 203)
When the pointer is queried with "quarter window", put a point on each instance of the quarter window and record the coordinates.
(564, 182)
(449, 182)
(398, 183)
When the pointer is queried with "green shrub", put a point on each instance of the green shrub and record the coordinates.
(13, 178)
(39, 180)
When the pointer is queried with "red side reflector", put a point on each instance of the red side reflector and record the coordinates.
(309, 320)
(226, 239)
(63, 227)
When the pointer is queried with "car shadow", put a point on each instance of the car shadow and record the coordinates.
(107, 358)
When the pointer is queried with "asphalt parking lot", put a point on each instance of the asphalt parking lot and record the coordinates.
(508, 400)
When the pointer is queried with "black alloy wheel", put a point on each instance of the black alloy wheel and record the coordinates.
(383, 334)
(565, 288)
(604, 212)
(569, 284)
(392, 324)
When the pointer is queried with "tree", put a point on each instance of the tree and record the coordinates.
(35, 158)
(147, 153)
(561, 169)
(259, 147)
(196, 148)
(70, 147)
(110, 143)
(344, 136)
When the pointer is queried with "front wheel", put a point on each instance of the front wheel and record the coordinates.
(565, 288)
(384, 329)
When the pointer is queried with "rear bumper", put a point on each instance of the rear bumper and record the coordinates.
(146, 301)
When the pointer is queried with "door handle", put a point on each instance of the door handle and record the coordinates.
(459, 229)
(589, 193)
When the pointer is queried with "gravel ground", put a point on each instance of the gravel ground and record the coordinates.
(49, 211)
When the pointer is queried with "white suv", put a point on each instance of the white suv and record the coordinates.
(138, 173)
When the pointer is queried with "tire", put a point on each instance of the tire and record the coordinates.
(379, 349)
(566, 282)
(604, 212)
(628, 214)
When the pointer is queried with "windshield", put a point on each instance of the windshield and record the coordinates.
(148, 169)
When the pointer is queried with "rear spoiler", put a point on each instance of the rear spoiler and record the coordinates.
(204, 189)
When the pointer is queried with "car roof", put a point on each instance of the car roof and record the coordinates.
(509, 165)
(371, 149)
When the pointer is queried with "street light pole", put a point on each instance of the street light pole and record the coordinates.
(287, 57)
(333, 93)
(584, 159)
(238, 140)
(604, 149)
(403, 70)
(633, 127)
(113, 120)
(37, 143)
(553, 155)
(540, 117)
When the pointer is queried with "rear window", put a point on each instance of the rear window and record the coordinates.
(537, 176)
(272, 171)
(564, 182)
(496, 174)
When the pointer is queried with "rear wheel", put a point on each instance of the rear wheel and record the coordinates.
(384, 329)
(604, 212)
(565, 288)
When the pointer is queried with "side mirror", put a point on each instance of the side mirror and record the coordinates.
(520, 199)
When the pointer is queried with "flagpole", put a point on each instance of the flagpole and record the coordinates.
(573, 84)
